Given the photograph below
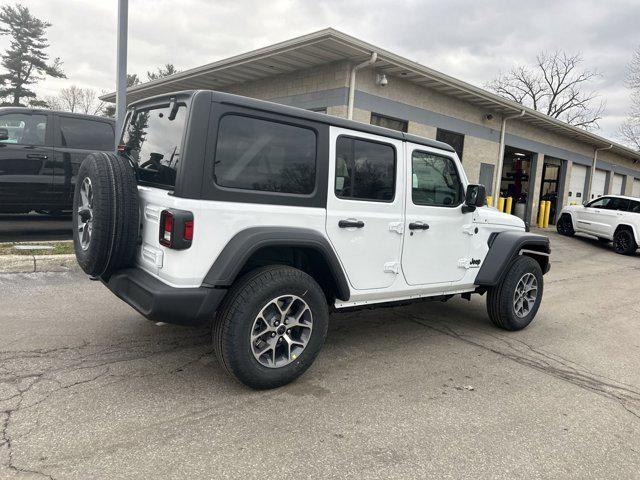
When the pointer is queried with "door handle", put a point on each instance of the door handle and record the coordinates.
(418, 226)
(351, 223)
(38, 156)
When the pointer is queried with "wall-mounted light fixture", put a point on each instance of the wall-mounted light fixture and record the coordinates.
(381, 79)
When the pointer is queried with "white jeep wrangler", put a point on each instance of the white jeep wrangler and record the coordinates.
(264, 218)
(610, 218)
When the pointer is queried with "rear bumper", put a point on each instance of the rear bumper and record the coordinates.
(160, 302)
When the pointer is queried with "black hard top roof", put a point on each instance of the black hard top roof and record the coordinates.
(230, 99)
(60, 112)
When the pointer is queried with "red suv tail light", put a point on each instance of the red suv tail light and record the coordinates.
(176, 229)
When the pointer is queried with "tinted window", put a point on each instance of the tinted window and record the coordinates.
(634, 206)
(435, 180)
(617, 204)
(456, 140)
(24, 129)
(365, 170)
(262, 155)
(155, 144)
(601, 202)
(388, 122)
(85, 134)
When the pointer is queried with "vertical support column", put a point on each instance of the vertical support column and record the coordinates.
(121, 68)
(608, 183)
(535, 183)
(627, 185)
(564, 184)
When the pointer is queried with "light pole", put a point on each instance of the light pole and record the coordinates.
(121, 68)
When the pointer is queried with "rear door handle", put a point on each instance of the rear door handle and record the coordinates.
(418, 226)
(349, 223)
(38, 156)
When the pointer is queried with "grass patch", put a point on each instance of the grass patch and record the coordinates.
(59, 248)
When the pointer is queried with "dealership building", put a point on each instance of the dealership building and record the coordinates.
(331, 72)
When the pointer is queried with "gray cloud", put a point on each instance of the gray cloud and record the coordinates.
(468, 39)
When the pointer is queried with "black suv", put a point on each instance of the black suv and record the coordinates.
(40, 153)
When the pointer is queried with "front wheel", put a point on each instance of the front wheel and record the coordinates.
(624, 243)
(514, 302)
(565, 225)
(271, 326)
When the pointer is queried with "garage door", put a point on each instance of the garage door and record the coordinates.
(576, 184)
(636, 187)
(599, 181)
(616, 188)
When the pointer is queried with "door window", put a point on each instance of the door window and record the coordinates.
(435, 180)
(602, 202)
(24, 129)
(365, 170)
(617, 204)
(85, 134)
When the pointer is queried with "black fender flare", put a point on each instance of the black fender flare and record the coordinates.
(245, 243)
(504, 246)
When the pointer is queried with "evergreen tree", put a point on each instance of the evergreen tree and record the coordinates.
(25, 61)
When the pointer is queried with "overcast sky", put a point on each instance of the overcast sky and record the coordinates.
(469, 39)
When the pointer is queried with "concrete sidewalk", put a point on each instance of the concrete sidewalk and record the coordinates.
(38, 263)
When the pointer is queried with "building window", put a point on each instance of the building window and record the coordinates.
(456, 140)
(389, 122)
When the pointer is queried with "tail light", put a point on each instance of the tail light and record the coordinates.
(176, 229)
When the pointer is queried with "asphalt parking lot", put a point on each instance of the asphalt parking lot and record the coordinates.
(90, 389)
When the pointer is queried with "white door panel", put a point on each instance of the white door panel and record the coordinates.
(599, 181)
(576, 184)
(370, 252)
(616, 188)
(437, 254)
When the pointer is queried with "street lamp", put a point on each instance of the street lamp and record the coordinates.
(121, 67)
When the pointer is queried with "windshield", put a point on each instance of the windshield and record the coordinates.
(154, 142)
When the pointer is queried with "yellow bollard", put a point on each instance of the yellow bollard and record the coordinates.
(509, 205)
(547, 212)
(490, 201)
(541, 214)
(501, 204)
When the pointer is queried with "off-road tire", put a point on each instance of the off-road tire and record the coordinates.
(624, 243)
(234, 321)
(564, 226)
(115, 217)
(500, 299)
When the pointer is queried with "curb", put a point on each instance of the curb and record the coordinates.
(38, 263)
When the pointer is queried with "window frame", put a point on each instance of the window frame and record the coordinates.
(48, 133)
(395, 168)
(460, 179)
(590, 204)
(438, 129)
(212, 191)
(388, 117)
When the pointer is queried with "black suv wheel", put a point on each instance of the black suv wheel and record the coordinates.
(514, 302)
(271, 326)
(624, 243)
(565, 226)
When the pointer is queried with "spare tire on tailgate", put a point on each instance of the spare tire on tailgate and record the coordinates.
(105, 214)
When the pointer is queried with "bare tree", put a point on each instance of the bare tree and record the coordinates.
(76, 99)
(556, 86)
(629, 131)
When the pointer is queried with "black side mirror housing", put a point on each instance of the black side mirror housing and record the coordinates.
(4, 134)
(474, 197)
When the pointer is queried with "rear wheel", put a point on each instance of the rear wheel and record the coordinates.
(624, 243)
(565, 225)
(271, 326)
(514, 302)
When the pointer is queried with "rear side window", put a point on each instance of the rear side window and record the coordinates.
(255, 154)
(618, 204)
(24, 129)
(154, 142)
(634, 207)
(85, 134)
(365, 170)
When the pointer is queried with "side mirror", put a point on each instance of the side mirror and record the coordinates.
(475, 197)
(4, 134)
